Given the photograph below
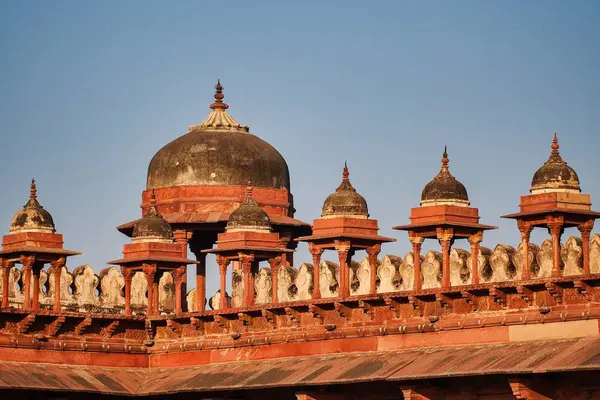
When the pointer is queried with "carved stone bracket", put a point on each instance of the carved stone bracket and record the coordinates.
(556, 291)
(24, 325)
(55, 326)
(498, 295)
(83, 325)
(526, 294)
(110, 329)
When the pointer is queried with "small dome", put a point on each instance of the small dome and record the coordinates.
(345, 202)
(444, 189)
(555, 175)
(249, 216)
(32, 217)
(153, 227)
(219, 151)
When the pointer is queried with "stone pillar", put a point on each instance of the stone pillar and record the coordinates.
(201, 281)
(150, 272)
(5, 273)
(555, 226)
(474, 241)
(586, 229)
(373, 252)
(27, 263)
(182, 237)
(57, 267)
(344, 252)
(445, 237)
(178, 278)
(274, 263)
(247, 263)
(416, 241)
(223, 262)
(525, 229)
(35, 300)
(316, 253)
(127, 276)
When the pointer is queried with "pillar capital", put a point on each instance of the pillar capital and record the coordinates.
(58, 263)
(178, 274)
(314, 249)
(476, 238)
(414, 239)
(586, 227)
(343, 246)
(127, 273)
(149, 269)
(445, 234)
(374, 250)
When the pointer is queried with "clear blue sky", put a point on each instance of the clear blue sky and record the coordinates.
(89, 91)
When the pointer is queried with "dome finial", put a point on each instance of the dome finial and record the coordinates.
(218, 104)
(153, 198)
(345, 173)
(249, 189)
(555, 145)
(33, 190)
(445, 159)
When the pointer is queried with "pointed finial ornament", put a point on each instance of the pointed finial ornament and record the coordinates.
(33, 190)
(445, 158)
(249, 189)
(555, 145)
(218, 104)
(345, 173)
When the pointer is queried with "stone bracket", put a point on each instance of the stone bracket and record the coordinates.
(295, 314)
(196, 323)
(584, 288)
(24, 325)
(344, 310)
(522, 390)
(110, 329)
(526, 294)
(444, 300)
(83, 325)
(471, 298)
(368, 308)
(246, 318)
(269, 316)
(394, 305)
(221, 321)
(174, 326)
(54, 327)
(498, 295)
(317, 312)
(555, 291)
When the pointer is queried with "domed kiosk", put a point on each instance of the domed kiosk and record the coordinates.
(200, 178)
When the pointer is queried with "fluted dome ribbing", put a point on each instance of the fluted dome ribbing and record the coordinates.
(345, 201)
(444, 189)
(219, 151)
(555, 174)
(249, 216)
(153, 226)
(32, 217)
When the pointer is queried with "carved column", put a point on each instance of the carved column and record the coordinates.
(5, 273)
(35, 297)
(373, 252)
(555, 226)
(223, 262)
(182, 237)
(525, 228)
(27, 263)
(445, 237)
(57, 267)
(586, 229)
(201, 281)
(474, 241)
(274, 263)
(127, 276)
(344, 253)
(316, 253)
(178, 278)
(150, 272)
(247, 261)
(416, 241)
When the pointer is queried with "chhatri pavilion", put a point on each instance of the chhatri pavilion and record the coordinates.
(460, 321)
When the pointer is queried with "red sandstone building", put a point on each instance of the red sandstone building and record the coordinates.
(477, 323)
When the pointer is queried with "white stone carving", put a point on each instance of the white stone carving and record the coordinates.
(304, 282)
(387, 270)
(139, 287)
(86, 284)
(405, 277)
(192, 303)
(572, 256)
(531, 260)
(330, 278)
(360, 275)
(545, 259)
(595, 254)
(262, 286)
(501, 261)
(431, 270)
(166, 292)
(112, 284)
(215, 301)
(483, 264)
(460, 270)
(286, 289)
(237, 286)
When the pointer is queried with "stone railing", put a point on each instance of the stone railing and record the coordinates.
(84, 291)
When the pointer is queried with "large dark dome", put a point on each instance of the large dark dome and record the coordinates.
(219, 151)
(555, 174)
(32, 217)
(444, 188)
(345, 201)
